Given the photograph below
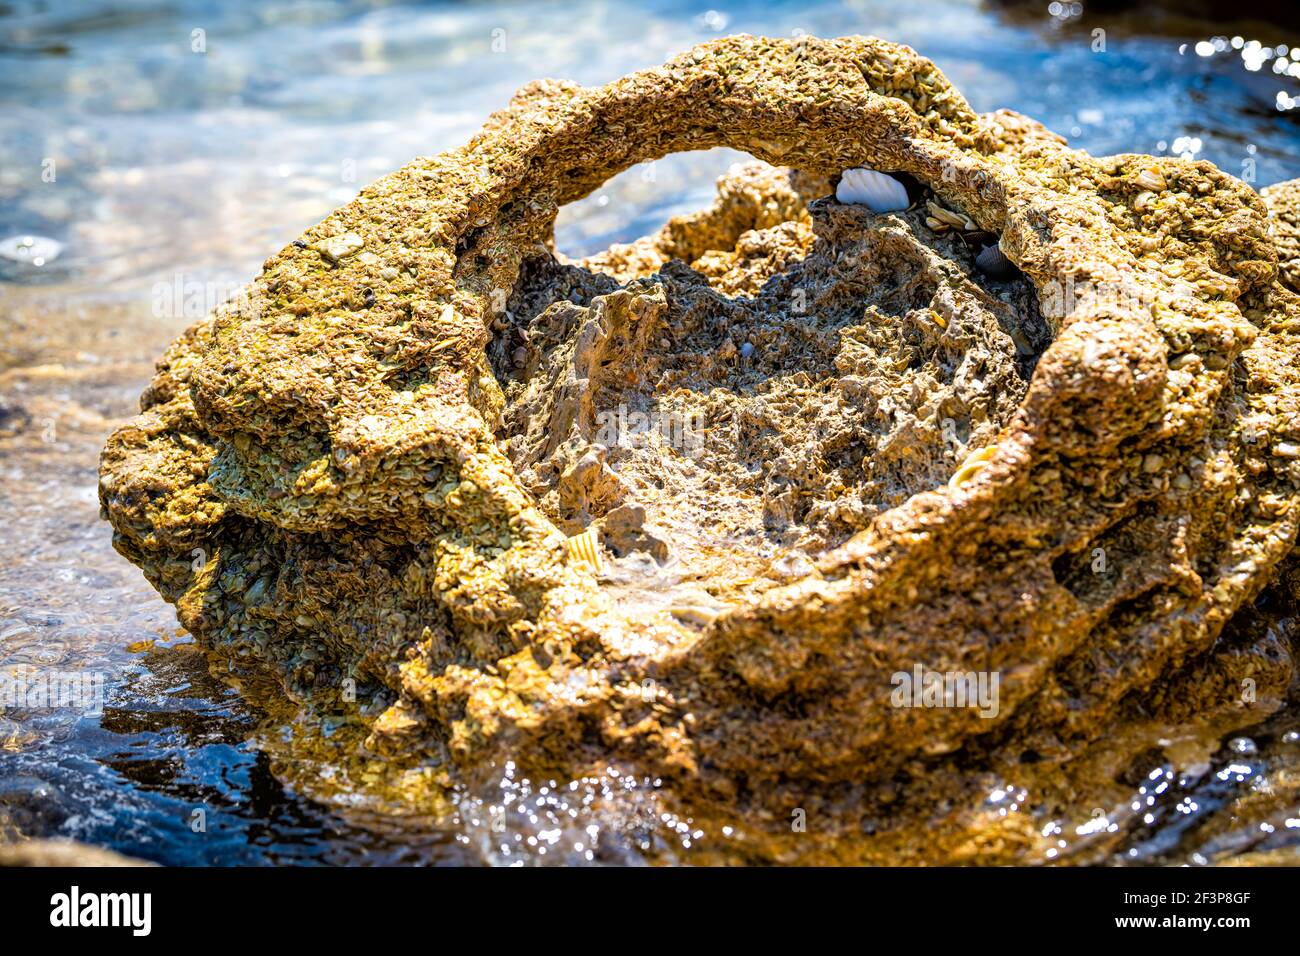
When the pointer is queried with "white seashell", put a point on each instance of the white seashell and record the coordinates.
(877, 191)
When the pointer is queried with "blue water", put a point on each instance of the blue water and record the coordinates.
(171, 145)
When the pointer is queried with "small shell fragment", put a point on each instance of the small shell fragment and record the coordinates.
(694, 614)
(953, 219)
(585, 549)
(877, 191)
(337, 248)
(972, 466)
(1151, 179)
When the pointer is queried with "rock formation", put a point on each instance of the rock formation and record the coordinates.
(811, 447)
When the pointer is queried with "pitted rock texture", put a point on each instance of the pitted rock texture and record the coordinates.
(360, 480)
(1283, 202)
(864, 364)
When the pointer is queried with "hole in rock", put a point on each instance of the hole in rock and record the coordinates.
(640, 199)
(754, 383)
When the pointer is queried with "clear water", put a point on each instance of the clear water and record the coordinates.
(167, 149)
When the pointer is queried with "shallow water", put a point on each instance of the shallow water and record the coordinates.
(168, 150)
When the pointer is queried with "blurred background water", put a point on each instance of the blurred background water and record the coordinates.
(153, 154)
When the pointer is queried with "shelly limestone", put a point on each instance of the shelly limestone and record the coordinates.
(395, 481)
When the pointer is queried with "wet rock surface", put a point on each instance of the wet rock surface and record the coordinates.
(840, 450)
(61, 853)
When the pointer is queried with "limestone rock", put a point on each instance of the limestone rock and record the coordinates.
(361, 479)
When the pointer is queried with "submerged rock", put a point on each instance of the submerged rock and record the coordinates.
(363, 479)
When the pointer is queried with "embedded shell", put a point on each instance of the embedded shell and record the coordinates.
(993, 261)
(879, 192)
